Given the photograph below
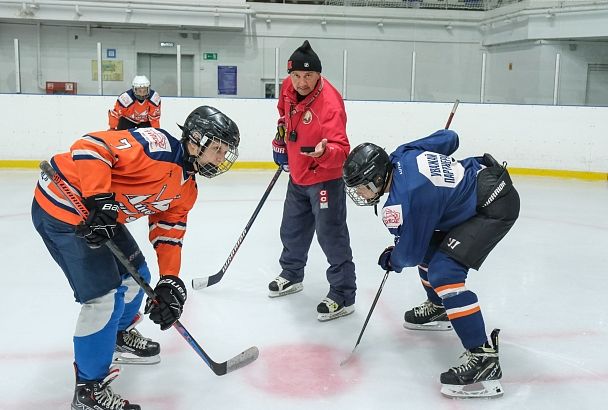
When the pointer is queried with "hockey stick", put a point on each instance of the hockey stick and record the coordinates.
(447, 125)
(201, 283)
(240, 360)
(367, 318)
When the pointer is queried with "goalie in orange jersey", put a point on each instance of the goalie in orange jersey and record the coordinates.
(138, 107)
(122, 176)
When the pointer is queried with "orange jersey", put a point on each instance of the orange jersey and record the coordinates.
(136, 111)
(143, 167)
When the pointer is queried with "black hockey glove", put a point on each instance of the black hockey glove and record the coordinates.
(100, 226)
(385, 258)
(169, 304)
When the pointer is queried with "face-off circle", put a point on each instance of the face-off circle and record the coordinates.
(303, 371)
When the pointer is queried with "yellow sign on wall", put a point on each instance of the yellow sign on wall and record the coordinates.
(111, 70)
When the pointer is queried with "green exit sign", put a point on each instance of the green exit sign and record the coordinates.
(209, 56)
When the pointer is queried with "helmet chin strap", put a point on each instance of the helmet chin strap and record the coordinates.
(383, 190)
(190, 161)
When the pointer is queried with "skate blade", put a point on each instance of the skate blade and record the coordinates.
(489, 389)
(292, 289)
(345, 311)
(432, 326)
(127, 358)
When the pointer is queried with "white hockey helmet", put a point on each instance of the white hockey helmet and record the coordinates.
(141, 87)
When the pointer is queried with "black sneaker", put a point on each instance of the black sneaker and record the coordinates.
(478, 376)
(281, 287)
(133, 348)
(427, 316)
(97, 395)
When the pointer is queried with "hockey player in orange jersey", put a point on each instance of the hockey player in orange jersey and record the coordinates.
(136, 108)
(122, 176)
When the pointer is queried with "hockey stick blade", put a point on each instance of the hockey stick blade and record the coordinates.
(240, 360)
(201, 283)
(349, 358)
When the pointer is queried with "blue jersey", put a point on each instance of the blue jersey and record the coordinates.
(430, 191)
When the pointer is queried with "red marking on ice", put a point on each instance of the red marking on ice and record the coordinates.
(303, 371)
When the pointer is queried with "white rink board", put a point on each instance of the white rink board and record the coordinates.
(528, 136)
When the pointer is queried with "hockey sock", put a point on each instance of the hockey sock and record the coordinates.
(430, 292)
(465, 314)
(133, 296)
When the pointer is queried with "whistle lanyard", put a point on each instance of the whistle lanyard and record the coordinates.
(293, 134)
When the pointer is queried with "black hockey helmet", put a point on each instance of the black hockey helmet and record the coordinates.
(208, 127)
(369, 166)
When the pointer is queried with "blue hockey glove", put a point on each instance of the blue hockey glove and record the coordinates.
(385, 259)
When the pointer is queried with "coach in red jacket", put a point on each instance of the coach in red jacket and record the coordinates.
(311, 144)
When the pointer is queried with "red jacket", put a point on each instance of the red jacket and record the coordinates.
(320, 115)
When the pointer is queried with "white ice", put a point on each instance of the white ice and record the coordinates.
(545, 286)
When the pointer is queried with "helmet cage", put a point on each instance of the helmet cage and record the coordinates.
(141, 93)
(203, 133)
(141, 82)
(360, 200)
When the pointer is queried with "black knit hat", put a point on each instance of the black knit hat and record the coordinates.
(304, 59)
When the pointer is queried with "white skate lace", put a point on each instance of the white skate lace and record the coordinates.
(134, 339)
(107, 398)
(426, 309)
(471, 361)
(281, 281)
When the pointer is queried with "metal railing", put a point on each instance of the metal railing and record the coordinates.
(481, 5)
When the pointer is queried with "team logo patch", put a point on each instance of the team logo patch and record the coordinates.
(289, 64)
(392, 216)
(157, 141)
(155, 98)
(140, 116)
(323, 199)
(307, 117)
(125, 99)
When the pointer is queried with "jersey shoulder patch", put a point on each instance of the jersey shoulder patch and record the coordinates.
(125, 99)
(392, 216)
(155, 98)
(157, 140)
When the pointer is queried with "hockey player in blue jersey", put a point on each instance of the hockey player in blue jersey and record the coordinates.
(446, 216)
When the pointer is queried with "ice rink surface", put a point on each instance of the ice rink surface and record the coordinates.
(544, 285)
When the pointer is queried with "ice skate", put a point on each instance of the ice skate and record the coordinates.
(328, 310)
(281, 287)
(133, 348)
(427, 316)
(97, 395)
(478, 376)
